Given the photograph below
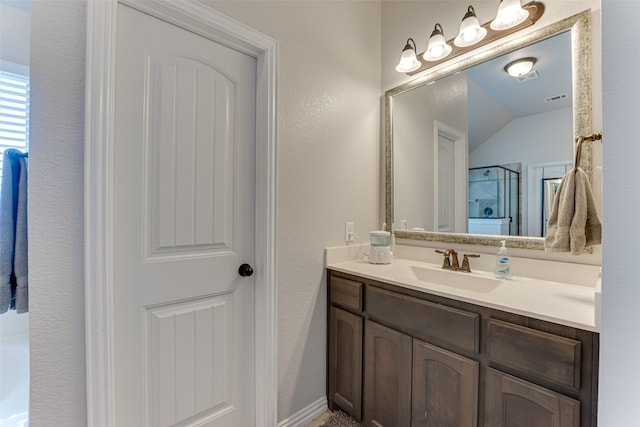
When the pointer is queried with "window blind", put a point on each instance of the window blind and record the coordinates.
(14, 113)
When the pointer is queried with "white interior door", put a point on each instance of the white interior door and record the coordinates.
(446, 184)
(184, 203)
(450, 152)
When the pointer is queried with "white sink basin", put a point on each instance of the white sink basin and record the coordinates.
(452, 279)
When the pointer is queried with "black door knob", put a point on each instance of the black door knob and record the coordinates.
(245, 270)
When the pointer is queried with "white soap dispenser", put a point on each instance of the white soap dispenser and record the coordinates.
(503, 263)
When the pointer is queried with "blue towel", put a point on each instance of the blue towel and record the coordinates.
(13, 233)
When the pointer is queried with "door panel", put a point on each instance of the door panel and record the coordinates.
(190, 106)
(345, 367)
(387, 377)
(511, 401)
(444, 388)
(184, 191)
(186, 359)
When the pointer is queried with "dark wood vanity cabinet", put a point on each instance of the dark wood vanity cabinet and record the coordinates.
(409, 382)
(345, 360)
(345, 346)
(400, 358)
(511, 401)
(444, 387)
(387, 376)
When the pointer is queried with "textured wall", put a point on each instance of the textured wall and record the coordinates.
(328, 163)
(619, 368)
(56, 251)
(544, 137)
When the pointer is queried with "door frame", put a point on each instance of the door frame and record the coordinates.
(460, 150)
(532, 200)
(99, 172)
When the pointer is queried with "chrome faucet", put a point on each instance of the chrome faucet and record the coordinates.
(450, 261)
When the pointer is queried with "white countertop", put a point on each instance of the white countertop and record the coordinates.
(563, 303)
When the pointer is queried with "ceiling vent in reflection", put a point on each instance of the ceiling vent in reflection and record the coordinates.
(556, 98)
(531, 75)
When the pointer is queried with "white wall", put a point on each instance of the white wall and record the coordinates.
(328, 163)
(620, 346)
(413, 134)
(544, 137)
(328, 172)
(14, 33)
(56, 245)
(415, 113)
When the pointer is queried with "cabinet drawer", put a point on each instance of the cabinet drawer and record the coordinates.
(539, 354)
(346, 293)
(444, 326)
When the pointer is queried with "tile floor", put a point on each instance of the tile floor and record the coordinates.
(320, 420)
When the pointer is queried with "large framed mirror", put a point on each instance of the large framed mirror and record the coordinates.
(471, 151)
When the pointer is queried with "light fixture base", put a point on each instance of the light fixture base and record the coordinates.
(520, 67)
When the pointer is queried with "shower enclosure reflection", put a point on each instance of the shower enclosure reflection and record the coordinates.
(494, 201)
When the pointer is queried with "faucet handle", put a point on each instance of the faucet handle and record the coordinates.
(446, 263)
(465, 262)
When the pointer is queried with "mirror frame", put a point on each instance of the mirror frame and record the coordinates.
(580, 27)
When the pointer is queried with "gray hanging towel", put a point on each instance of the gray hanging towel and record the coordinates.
(573, 224)
(13, 233)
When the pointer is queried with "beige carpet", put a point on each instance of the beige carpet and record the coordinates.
(340, 419)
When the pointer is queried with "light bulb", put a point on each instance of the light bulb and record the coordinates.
(437, 48)
(469, 35)
(408, 61)
(470, 30)
(510, 13)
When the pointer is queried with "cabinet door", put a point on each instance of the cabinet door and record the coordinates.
(512, 402)
(444, 388)
(345, 361)
(387, 377)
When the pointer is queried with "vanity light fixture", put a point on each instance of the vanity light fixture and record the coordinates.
(437, 48)
(470, 30)
(408, 60)
(511, 17)
(520, 67)
(510, 14)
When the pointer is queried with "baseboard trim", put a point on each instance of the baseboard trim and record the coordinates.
(306, 414)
